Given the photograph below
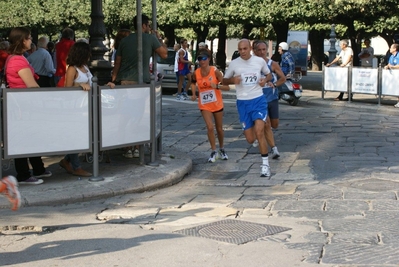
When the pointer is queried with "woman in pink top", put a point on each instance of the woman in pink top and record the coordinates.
(20, 74)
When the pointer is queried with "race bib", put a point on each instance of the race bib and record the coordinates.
(249, 79)
(208, 97)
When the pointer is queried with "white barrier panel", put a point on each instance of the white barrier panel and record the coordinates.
(365, 81)
(389, 84)
(125, 116)
(336, 79)
(39, 122)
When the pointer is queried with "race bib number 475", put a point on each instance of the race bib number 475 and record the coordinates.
(249, 78)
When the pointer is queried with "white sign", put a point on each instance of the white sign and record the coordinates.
(336, 79)
(390, 80)
(365, 81)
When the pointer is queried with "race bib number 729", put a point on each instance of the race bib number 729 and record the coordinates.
(249, 78)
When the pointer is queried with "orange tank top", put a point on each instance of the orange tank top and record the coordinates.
(209, 98)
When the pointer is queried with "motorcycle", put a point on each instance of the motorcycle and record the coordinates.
(291, 91)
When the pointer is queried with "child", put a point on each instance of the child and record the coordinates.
(9, 187)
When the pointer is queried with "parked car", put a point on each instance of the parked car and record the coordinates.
(166, 68)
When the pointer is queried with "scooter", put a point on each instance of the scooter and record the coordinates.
(291, 91)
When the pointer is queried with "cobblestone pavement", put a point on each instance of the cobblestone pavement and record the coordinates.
(335, 188)
(336, 184)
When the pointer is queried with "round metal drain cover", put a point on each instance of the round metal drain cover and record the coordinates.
(232, 230)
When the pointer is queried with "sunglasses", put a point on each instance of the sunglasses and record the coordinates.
(202, 58)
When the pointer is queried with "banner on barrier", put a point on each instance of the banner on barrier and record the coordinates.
(365, 81)
(389, 84)
(336, 79)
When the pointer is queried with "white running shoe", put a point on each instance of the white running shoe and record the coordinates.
(212, 158)
(274, 153)
(136, 153)
(223, 154)
(264, 171)
(396, 105)
(256, 143)
(128, 154)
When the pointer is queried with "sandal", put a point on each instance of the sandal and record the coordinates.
(338, 99)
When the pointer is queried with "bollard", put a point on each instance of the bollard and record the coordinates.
(95, 109)
(153, 161)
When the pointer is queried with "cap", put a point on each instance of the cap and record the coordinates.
(201, 44)
(283, 46)
(203, 54)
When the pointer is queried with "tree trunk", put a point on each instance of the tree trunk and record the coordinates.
(316, 39)
(281, 30)
(246, 31)
(170, 37)
(221, 53)
(202, 33)
(353, 38)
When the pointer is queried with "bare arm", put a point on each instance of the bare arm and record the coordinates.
(193, 87)
(27, 76)
(117, 66)
(219, 78)
(162, 51)
(347, 62)
(332, 62)
(181, 57)
(281, 77)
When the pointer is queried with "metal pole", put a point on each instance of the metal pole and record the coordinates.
(95, 109)
(153, 161)
(139, 42)
(379, 85)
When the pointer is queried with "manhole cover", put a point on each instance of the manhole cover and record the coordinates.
(233, 231)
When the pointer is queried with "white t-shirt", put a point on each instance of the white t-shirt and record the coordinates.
(250, 72)
(345, 55)
(367, 61)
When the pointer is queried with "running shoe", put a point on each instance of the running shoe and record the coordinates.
(264, 171)
(396, 105)
(274, 153)
(12, 192)
(32, 180)
(223, 154)
(212, 158)
(136, 153)
(44, 175)
(179, 97)
(128, 154)
(256, 143)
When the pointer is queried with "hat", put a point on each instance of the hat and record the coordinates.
(283, 46)
(201, 44)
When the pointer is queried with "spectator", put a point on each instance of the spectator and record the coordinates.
(21, 75)
(77, 74)
(126, 62)
(3, 56)
(42, 63)
(393, 62)
(366, 55)
(61, 52)
(346, 56)
(118, 38)
(287, 63)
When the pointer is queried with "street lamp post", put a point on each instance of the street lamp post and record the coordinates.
(98, 65)
(332, 52)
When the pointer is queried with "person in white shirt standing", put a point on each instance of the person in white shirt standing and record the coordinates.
(366, 55)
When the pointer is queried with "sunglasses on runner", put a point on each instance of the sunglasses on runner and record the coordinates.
(202, 58)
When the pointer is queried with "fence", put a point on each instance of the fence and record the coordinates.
(374, 81)
(57, 121)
